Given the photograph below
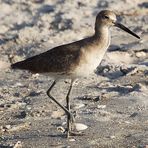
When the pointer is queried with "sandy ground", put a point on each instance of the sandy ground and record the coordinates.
(113, 102)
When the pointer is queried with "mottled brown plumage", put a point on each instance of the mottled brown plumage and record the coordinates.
(61, 60)
(58, 59)
(75, 59)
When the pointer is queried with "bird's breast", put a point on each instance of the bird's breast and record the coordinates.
(89, 62)
(92, 55)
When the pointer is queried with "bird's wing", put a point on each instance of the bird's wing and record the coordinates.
(58, 59)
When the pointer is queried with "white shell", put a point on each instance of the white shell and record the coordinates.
(79, 105)
(140, 54)
(80, 126)
(72, 140)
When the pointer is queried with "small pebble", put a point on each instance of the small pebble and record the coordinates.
(127, 122)
(112, 137)
(61, 129)
(28, 107)
(79, 105)
(64, 123)
(72, 140)
(35, 75)
(21, 104)
(101, 106)
(18, 84)
(18, 145)
(7, 126)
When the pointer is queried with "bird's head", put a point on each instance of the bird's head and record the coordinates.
(107, 18)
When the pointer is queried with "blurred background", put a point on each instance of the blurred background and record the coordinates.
(27, 24)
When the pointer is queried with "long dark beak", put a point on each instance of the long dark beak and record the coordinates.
(126, 29)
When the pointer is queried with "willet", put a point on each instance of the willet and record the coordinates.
(74, 60)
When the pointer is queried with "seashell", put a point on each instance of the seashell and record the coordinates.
(80, 126)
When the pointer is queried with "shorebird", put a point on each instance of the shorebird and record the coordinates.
(76, 59)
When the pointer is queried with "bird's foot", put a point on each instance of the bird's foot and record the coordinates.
(76, 133)
(73, 133)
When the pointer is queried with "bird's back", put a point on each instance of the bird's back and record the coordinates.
(59, 59)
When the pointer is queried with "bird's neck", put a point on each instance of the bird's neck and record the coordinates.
(102, 37)
(101, 32)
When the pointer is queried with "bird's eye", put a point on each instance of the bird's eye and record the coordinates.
(106, 17)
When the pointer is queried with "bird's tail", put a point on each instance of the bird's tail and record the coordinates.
(19, 65)
(30, 64)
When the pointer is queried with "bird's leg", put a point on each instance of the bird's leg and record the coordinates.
(68, 108)
(70, 123)
(64, 108)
